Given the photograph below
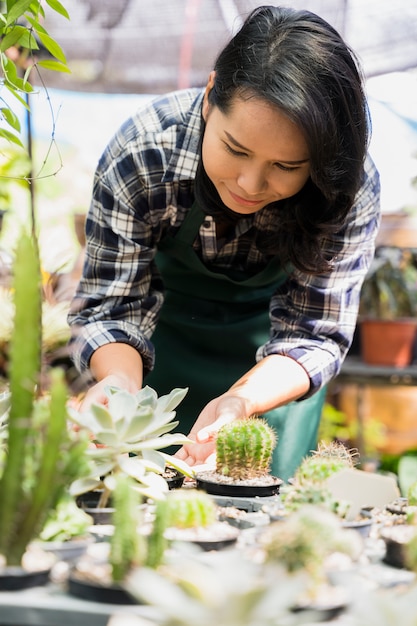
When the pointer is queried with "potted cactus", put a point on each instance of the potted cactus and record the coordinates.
(99, 573)
(188, 515)
(129, 435)
(40, 457)
(243, 455)
(309, 483)
(303, 543)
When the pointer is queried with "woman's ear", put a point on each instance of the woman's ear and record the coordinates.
(209, 87)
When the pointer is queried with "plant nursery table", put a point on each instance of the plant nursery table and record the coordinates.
(52, 606)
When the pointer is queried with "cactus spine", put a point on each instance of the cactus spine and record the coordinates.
(244, 448)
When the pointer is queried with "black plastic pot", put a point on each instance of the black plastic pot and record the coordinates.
(396, 539)
(216, 488)
(94, 592)
(14, 578)
(174, 478)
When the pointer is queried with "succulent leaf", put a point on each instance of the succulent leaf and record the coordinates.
(122, 405)
(178, 464)
(147, 396)
(133, 429)
(161, 442)
(82, 485)
(170, 401)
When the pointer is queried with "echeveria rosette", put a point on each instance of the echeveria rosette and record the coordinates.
(130, 433)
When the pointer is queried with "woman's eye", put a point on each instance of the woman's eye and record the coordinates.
(285, 168)
(233, 152)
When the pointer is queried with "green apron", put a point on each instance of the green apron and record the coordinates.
(206, 337)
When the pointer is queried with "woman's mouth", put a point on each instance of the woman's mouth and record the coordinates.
(243, 201)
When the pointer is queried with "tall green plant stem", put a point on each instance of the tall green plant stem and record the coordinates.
(25, 363)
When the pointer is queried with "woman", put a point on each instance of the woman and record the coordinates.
(229, 233)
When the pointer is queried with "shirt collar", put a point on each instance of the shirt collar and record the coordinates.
(186, 154)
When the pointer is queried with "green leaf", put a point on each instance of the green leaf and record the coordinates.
(11, 118)
(15, 94)
(18, 35)
(6, 134)
(17, 10)
(58, 8)
(54, 66)
(53, 47)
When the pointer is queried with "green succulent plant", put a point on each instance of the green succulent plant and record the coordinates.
(244, 448)
(131, 431)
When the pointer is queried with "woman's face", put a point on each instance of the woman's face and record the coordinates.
(254, 154)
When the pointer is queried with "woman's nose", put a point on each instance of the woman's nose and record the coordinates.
(252, 180)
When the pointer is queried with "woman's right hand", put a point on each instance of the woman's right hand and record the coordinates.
(97, 395)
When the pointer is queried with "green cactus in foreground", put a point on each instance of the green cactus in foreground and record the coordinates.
(181, 508)
(127, 546)
(244, 448)
(42, 457)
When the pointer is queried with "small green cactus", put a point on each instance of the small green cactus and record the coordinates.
(304, 540)
(244, 448)
(181, 508)
(338, 451)
(127, 545)
(316, 469)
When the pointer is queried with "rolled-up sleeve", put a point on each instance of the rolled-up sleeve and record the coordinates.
(313, 318)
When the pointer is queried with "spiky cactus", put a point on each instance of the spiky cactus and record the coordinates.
(244, 448)
(42, 457)
(127, 546)
(180, 509)
(337, 451)
(309, 484)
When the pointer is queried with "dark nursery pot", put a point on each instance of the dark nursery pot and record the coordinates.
(88, 502)
(174, 478)
(14, 578)
(396, 539)
(208, 482)
(68, 550)
(215, 536)
(94, 592)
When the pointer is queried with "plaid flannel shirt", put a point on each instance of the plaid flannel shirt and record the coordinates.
(143, 188)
